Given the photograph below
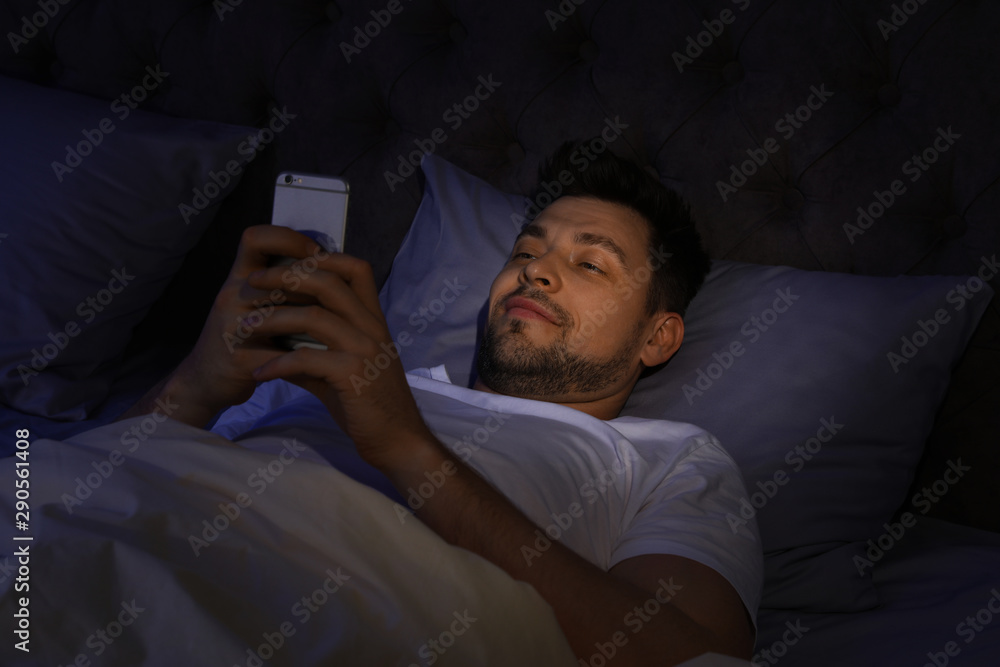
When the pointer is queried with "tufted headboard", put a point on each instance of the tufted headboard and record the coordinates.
(851, 135)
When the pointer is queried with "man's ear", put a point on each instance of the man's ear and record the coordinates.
(663, 340)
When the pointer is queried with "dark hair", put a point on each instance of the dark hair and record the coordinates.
(576, 169)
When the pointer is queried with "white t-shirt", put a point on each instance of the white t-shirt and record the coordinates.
(609, 490)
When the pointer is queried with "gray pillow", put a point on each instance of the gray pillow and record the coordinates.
(822, 386)
(100, 204)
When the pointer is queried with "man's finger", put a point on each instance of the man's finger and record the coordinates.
(260, 242)
(328, 328)
(341, 283)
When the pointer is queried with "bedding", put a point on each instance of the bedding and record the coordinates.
(142, 502)
(192, 554)
(938, 606)
(101, 204)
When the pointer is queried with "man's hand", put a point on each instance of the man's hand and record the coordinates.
(380, 414)
(234, 342)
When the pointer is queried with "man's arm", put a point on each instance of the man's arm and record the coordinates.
(183, 403)
(383, 421)
(699, 612)
(218, 371)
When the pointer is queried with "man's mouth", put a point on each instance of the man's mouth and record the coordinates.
(526, 309)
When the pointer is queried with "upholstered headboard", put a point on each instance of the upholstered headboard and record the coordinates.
(850, 136)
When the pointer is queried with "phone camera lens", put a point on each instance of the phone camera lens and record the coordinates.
(288, 178)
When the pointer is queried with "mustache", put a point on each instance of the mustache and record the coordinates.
(540, 297)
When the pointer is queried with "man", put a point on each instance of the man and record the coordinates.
(581, 254)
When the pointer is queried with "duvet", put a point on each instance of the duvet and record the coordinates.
(190, 550)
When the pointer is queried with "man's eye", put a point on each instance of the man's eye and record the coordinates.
(523, 255)
(593, 268)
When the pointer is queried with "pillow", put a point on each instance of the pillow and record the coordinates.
(100, 205)
(822, 386)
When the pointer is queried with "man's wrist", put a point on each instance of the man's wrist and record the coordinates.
(413, 457)
(190, 405)
(175, 396)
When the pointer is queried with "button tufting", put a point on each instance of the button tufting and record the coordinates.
(333, 12)
(953, 226)
(889, 95)
(588, 51)
(515, 152)
(457, 32)
(733, 72)
(792, 199)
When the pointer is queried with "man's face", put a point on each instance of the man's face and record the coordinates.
(567, 317)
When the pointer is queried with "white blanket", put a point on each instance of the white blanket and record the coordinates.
(190, 550)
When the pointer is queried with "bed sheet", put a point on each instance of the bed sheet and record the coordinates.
(939, 585)
(136, 375)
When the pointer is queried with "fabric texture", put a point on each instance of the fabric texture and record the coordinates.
(101, 203)
(609, 490)
(183, 549)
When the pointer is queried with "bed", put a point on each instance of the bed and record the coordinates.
(841, 160)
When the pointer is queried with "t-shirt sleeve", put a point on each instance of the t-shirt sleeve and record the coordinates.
(693, 510)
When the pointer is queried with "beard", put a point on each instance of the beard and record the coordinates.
(512, 364)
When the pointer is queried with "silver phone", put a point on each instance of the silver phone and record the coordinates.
(316, 206)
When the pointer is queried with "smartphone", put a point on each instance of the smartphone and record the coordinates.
(316, 206)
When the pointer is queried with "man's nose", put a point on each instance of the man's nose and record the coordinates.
(541, 272)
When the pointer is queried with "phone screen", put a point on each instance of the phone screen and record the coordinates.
(313, 205)
(317, 207)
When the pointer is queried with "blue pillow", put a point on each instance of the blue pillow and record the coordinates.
(822, 386)
(101, 203)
